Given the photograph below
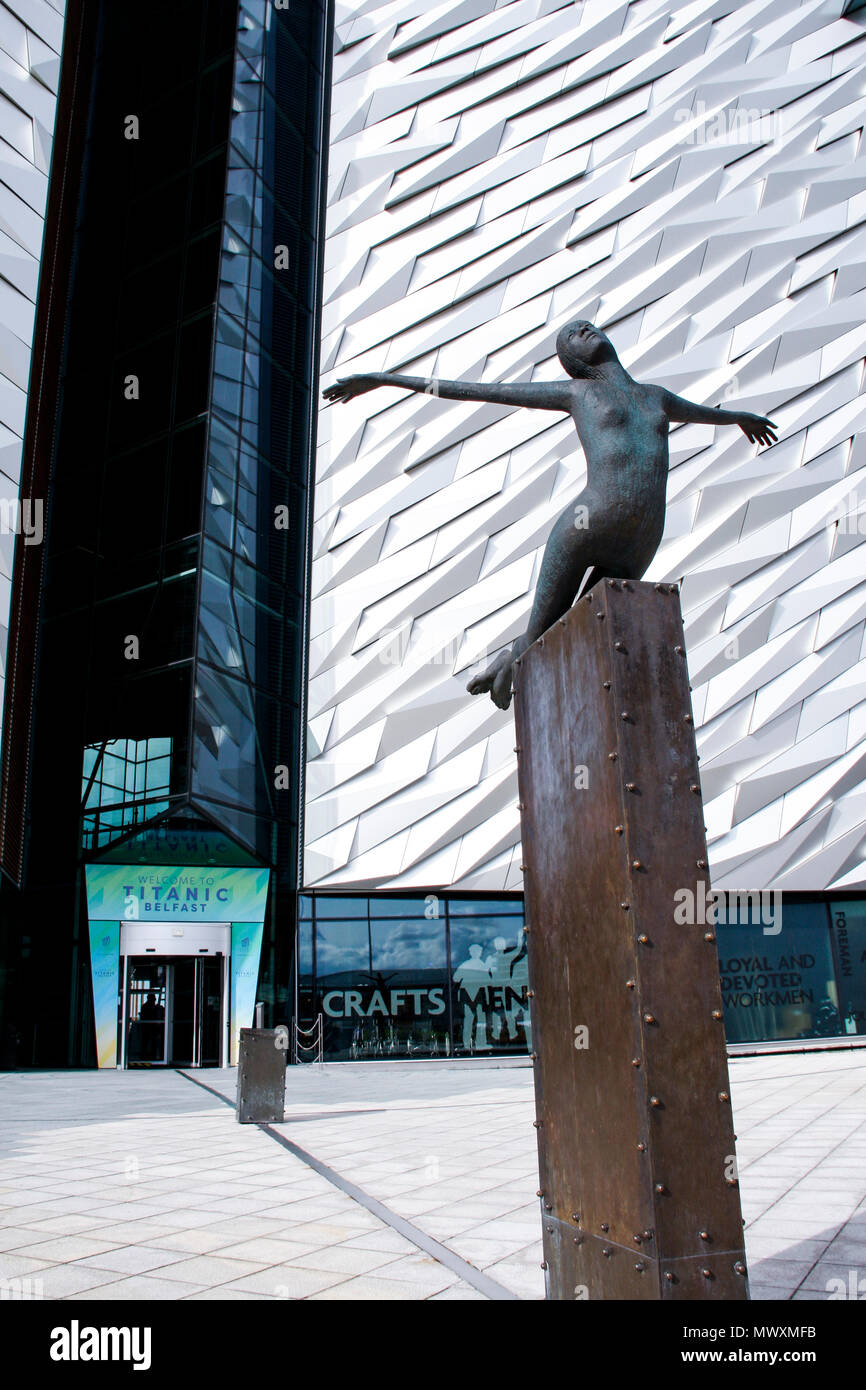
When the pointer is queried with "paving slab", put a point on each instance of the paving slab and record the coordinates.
(409, 1181)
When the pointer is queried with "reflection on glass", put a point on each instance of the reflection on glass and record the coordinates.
(124, 781)
(342, 947)
(341, 907)
(403, 907)
(146, 999)
(305, 948)
(411, 946)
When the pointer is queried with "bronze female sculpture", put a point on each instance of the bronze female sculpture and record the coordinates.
(613, 528)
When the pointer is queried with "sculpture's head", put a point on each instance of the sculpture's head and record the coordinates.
(581, 346)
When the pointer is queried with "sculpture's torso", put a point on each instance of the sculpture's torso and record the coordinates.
(624, 433)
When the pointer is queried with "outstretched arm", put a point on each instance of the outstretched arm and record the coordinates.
(542, 395)
(755, 427)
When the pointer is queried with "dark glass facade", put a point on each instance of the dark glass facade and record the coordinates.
(249, 659)
(156, 655)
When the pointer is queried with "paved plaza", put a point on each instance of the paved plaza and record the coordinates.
(385, 1181)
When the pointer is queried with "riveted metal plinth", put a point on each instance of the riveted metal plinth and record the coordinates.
(581, 1266)
(261, 1088)
(638, 1181)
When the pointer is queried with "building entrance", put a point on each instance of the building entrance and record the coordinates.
(174, 1013)
(175, 994)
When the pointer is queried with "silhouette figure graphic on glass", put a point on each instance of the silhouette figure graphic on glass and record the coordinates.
(613, 528)
(473, 978)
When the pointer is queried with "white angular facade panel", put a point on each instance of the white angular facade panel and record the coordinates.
(31, 34)
(692, 178)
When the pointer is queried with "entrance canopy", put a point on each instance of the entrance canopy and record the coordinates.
(192, 909)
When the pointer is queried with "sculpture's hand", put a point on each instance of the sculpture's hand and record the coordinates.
(348, 387)
(757, 428)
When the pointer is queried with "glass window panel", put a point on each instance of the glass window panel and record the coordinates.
(489, 983)
(848, 924)
(382, 906)
(342, 978)
(305, 949)
(341, 907)
(777, 974)
(158, 773)
(113, 769)
(404, 1012)
(341, 947)
(408, 946)
(228, 360)
(392, 1003)
(227, 394)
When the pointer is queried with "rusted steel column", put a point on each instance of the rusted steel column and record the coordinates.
(638, 1185)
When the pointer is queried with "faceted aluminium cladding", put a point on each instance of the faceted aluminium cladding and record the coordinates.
(31, 33)
(693, 178)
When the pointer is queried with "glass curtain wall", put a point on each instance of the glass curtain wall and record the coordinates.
(441, 976)
(414, 977)
(249, 666)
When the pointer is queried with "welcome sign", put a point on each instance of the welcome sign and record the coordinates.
(174, 892)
